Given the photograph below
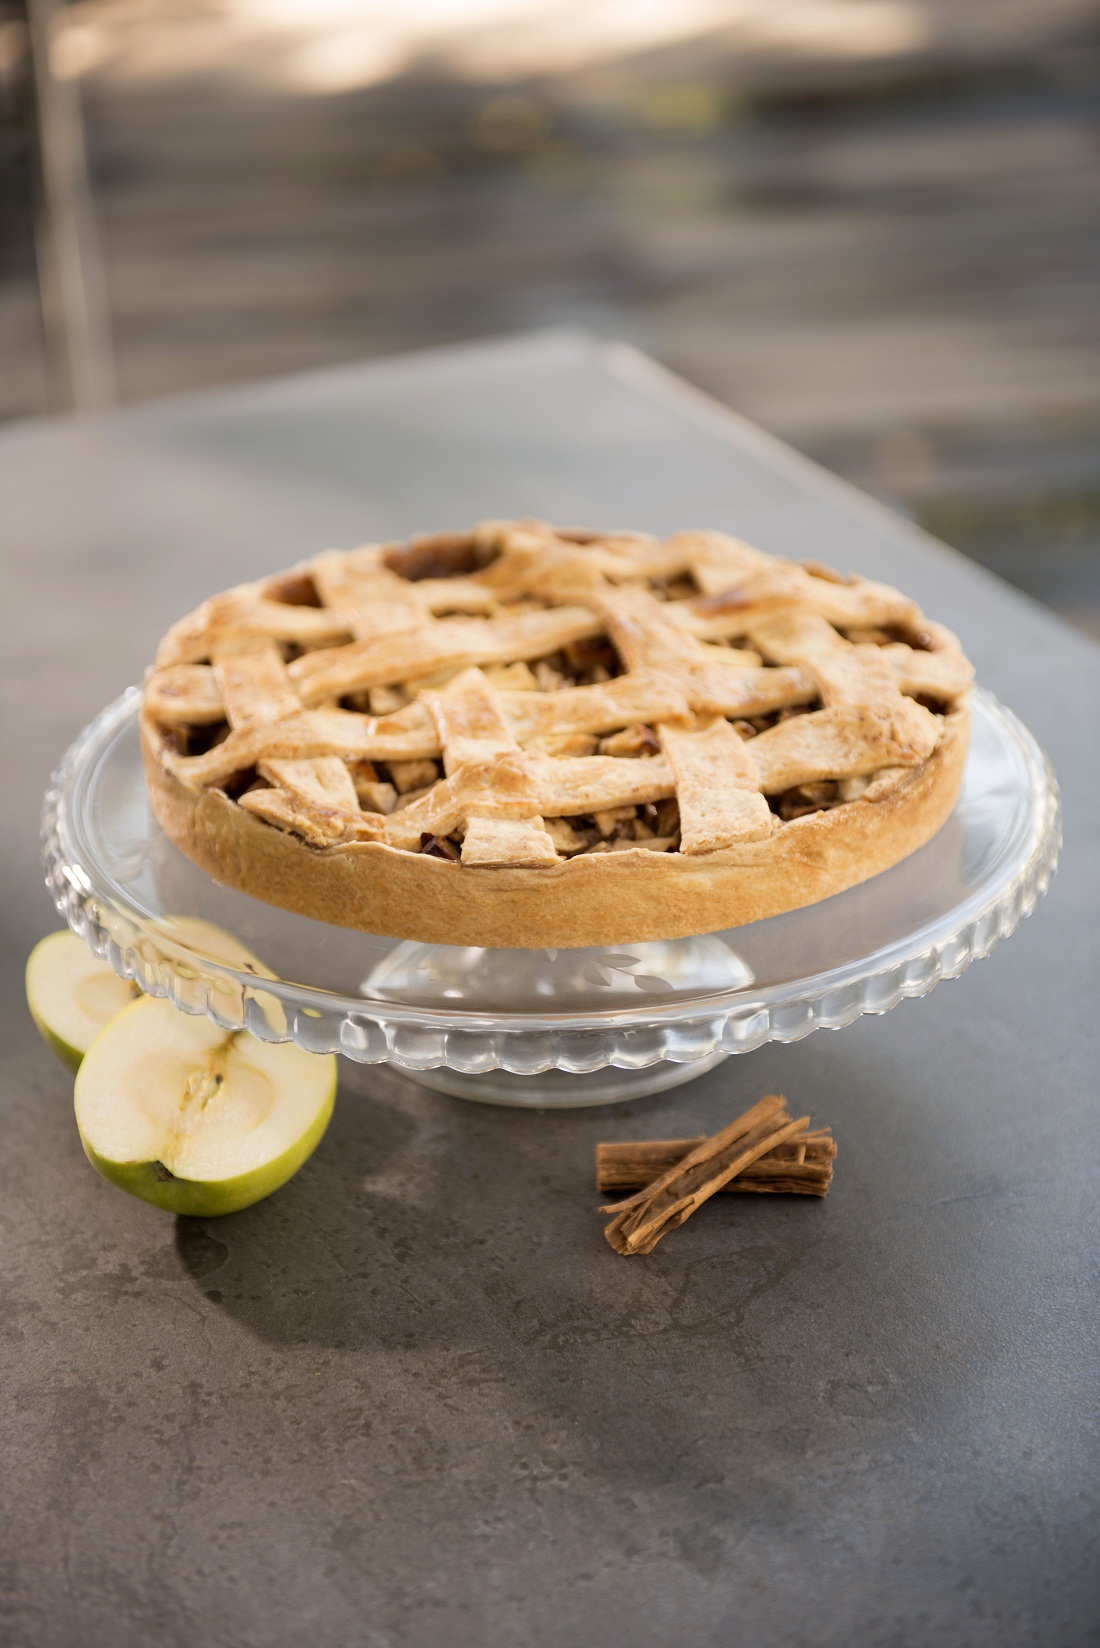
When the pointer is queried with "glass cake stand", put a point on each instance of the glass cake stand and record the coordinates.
(545, 1027)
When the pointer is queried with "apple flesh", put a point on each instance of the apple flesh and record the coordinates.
(206, 939)
(72, 994)
(193, 1118)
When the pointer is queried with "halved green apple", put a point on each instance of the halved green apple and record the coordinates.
(207, 939)
(204, 938)
(196, 1119)
(73, 995)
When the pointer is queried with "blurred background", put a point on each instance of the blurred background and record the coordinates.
(871, 225)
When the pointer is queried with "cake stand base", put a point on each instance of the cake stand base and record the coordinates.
(561, 1089)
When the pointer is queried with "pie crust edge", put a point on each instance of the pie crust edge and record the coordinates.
(624, 897)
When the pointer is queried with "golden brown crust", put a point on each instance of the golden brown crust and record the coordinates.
(520, 736)
(605, 898)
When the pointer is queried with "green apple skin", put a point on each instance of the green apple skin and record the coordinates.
(211, 1200)
(68, 1055)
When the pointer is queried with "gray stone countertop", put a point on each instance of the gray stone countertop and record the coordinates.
(414, 1399)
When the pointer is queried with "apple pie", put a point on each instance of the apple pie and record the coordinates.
(520, 736)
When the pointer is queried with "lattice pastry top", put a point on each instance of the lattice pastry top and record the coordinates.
(556, 713)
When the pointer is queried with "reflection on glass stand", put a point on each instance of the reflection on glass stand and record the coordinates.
(539, 981)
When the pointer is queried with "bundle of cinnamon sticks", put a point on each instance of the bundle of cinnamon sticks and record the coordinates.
(762, 1151)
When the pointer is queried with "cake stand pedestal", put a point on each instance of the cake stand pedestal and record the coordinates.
(545, 1028)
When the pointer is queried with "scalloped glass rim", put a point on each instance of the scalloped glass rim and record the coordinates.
(1020, 795)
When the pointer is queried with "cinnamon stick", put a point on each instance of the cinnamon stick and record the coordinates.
(801, 1167)
(708, 1166)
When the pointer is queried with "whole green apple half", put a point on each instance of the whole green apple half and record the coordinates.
(73, 995)
(196, 1119)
